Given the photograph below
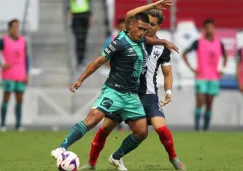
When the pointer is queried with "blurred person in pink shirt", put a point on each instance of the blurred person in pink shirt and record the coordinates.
(239, 69)
(14, 71)
(209, 50)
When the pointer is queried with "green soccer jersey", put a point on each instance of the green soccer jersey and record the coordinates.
(126, 59)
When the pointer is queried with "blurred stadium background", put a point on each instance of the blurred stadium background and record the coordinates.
(49, 104)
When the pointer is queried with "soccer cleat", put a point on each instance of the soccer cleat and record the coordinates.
(178, 165)
(118, 163)
(55, 153)
(3, 129)
(87, 167)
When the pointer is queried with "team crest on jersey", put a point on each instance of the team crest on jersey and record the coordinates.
(156, 54)
(130, 50)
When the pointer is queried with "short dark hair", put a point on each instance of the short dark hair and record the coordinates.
(156, 13)
(121, 20)
(142, 17)
(208, 21)
(11, 22)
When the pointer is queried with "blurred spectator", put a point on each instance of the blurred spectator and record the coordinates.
(110, 36)
(239, 69)
(209, 50)
(14, 71)
(80, 12)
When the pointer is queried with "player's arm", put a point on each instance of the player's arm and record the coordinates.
(162, 4)
(27, 65)
(165, 61)
(238, 68)
(3, 65)
(193, 47)
(109, 53)
(225, 58)
(167, 44)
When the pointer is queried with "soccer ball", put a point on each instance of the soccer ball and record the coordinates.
(67, 161)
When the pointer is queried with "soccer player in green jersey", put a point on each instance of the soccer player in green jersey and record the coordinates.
(119, 93)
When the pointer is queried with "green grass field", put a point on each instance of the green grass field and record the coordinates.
(212, 151)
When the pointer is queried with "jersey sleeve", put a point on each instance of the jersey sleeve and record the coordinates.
(239, 56)
(193, 47)
(1, 44)
(165, 58)
(112, 49)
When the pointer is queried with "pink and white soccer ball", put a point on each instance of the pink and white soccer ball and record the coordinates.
(67, 161)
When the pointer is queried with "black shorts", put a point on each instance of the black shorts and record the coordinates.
(151, 106)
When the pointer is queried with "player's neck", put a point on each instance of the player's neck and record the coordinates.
(129, 35)
(13, 37)
(209, 37)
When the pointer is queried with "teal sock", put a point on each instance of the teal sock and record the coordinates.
(197, 118)
(207, 118)
(3, 113)
(129, 143)
(76, 133)
(18, 113)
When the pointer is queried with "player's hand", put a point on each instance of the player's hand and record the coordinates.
(75, 86)
(167, 100)
(6, 66)
(26, 79)
(162, 4)
(220, 73)
(241, 88)
(171, 47)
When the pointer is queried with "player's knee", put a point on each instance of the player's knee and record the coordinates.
(93, 118)
(141, 134)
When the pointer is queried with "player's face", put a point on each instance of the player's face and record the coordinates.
(14, 29)
(154, 26)
(209, 29)
(121, 26)
(138, 30)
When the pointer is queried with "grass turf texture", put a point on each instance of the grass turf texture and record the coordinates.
(211, 151)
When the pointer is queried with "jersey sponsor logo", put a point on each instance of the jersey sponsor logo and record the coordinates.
(138, 68)
(132, 54)
(106, 102)
(130, 50)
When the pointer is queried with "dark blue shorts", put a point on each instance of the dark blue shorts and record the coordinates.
(151, 106)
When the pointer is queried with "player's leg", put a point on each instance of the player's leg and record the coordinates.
(98, 142)
(107, 102)
(19, 93)
(82, 36)
(134, 114)
(8, 87)
(156, 117)
(212, 91)
(200, 88)
(79, 130)
(131, 142)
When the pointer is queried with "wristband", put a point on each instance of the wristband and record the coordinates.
(168, 92)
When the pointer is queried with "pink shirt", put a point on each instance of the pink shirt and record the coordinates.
(241, 67)
(14, 53)
(208, 53)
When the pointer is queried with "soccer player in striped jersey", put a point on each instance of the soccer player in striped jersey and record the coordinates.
(156, 57)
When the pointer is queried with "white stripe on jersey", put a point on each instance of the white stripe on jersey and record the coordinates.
(153, 62)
